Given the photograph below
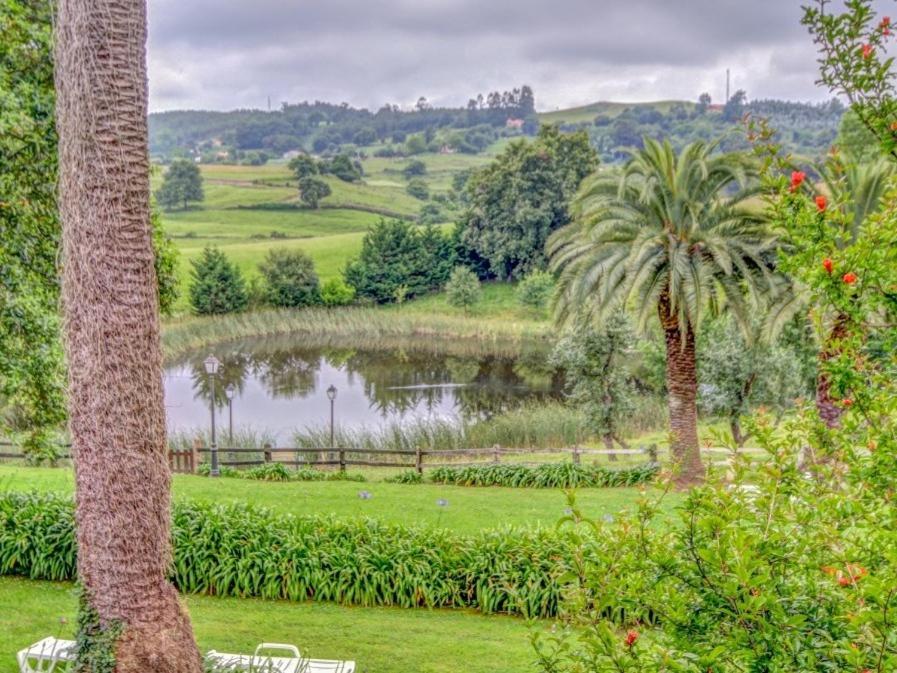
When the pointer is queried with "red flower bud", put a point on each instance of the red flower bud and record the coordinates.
(821, 203)
(867, 51)
(828, 265)
(847, 403)
(850, 278)
(797, 179)
(631, 637)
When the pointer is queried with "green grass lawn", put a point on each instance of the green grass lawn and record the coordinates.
(380, 640)
(469, 509)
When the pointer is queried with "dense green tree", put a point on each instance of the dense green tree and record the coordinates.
(415, 168)
(463, 288)
(181, 184)
(342, 167)
(290, 279)
(167, 257)
(672, 237)
(303, 166)
(594, 361)
(856, 141)
(313, 190)
(216, 286)
(31, 372)
(418, 189)
(399, 261)
(522, 197)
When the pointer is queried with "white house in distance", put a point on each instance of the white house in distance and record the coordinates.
(515, 124)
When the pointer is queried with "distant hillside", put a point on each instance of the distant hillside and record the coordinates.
(806, 129)
(254, 136)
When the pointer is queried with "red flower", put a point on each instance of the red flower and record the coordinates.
(885, 26)
(847, 403)
(797, 179)
(828, 265)
(867, 51)
(821, 203)
(631, 637)
(850, 278)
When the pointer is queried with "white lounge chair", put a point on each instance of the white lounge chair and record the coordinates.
(262, 661)
(46, 656)
(52, 655)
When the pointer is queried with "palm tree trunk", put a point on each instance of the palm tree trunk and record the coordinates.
(682, 395)
(829, 409)
(117, 418)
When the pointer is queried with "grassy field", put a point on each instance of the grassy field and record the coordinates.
(250, 209)
(469, 509)
(587, 113)
(380, 640)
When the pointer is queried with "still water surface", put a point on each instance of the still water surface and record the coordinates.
(280, 386)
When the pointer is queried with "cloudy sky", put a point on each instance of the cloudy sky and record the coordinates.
(224, 54)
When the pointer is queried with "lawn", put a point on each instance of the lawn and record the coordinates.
(380, 640)
(469, 509)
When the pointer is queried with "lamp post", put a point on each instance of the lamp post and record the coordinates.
(212, 364)
(229, 393)
(331, 395)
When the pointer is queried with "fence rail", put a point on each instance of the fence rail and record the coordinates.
(188, 460)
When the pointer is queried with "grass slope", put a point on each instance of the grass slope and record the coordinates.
(587, 113)
(469, 509)
(380, 640)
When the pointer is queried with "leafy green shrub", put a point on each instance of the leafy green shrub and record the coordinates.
(406, 477)
(463, 288)
(313, 190)
(239, 550)
(534, 292)
(415, 168)
(268, 472)
(418, 189)
(216, 286)
(335, 292)
(554, 475)
(290, 279)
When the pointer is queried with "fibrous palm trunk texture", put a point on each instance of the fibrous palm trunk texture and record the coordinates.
(117, 417)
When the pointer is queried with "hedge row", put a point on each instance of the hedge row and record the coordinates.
(556, 475)
(240, 550)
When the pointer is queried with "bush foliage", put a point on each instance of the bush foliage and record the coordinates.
(290, 279)
(216, 286)
(238, 550)
(557, 475)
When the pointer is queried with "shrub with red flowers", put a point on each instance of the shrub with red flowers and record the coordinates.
(790, 566)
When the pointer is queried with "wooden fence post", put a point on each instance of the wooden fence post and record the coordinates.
(194, 455)
(418, 460)
(577, 458)
(268, 455)
(342, 459)
(496, 454)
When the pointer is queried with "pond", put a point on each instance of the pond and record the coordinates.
(280, 386)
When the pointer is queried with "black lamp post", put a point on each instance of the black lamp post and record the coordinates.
(212, 364)
(331, 395)
(229, 393)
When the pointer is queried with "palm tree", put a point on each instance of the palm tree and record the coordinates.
(672, 237)
(111, 318)
(858, 191)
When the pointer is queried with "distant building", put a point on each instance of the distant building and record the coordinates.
(292, 154)
(716, 107)
(446, 149)
(515, 124)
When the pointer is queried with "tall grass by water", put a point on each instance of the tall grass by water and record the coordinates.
(361, 327)
(549, 425)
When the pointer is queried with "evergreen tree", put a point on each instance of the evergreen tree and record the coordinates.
(217, 286)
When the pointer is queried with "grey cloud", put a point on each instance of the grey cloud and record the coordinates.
(234, 53)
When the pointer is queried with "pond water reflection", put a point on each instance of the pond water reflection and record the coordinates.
(281, 386)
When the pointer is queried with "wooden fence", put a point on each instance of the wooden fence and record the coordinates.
(187, 461)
